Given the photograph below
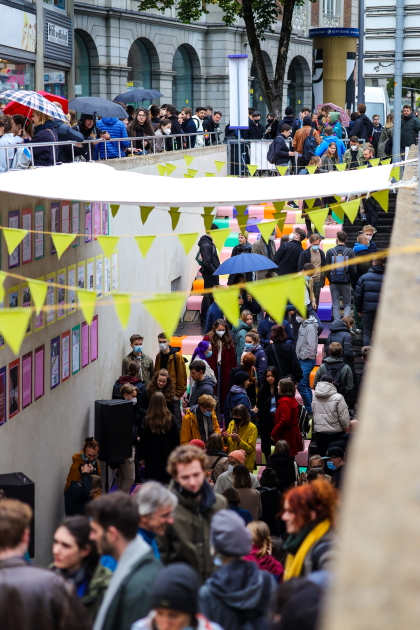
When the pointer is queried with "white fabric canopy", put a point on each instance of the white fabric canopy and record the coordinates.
(90, 181)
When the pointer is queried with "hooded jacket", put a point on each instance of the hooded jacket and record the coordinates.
(368, 290)
(66, 133)
(208, 253)
(214, 312)
(194, 425)
(336, 124)
(240, 332)
(326, 141)
(5, 140)
(292, 122)
(146, 366)
(264, 331)
(237, 396)
(77, 496)
(307, 341)
(281, 151)
(43, 156)
(267, 562)
(362, 267)
(176, 369)
(285, 468)
(116, 129)
(147, 623)
(287, 257)
(260, 362)
(363, 127)
(237, 596)
(340, 333)
(74, 472)
(267, 250)
(286, 424)
(410, 126)
(330, 412)
(205, 386)
(386, 134)
(282, 355)
(345, 381)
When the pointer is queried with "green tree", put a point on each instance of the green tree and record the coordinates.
(259, 17)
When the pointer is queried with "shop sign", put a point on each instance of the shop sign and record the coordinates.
(17, 29)
(57, 34)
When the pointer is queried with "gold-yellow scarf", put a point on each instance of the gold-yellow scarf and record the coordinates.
(294, 563)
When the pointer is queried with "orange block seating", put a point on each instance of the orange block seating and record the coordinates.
(176, 342)
(312, 376)
(198, 284)
(287, 229)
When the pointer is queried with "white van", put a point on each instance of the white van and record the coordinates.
(377, 102)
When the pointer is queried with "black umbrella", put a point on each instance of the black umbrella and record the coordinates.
(96, 106)
(137, 95)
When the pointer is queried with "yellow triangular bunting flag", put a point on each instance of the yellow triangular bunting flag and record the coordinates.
(219, 237)
(2, 279)
(382, 197)
(192, 172)
(363, 166)
(341, 167)
(170, 168)
(395, 173)
(161, 169)
(188, 176)
(61, 242)
(281, 219)
(351, 208)
(145, 212)
(242, 220)
(311, 169)
(208, 221)
(310, 203)
(188, 240)
(13, 326)
(386, 161)
(108, 244)
(175, 216)
(210, 174)
(337, 198)
(38, 293)
(13, 238)
(87, 301)
(338, 211)
(228, 300)
(375, 161)
(241, 209)
(144, 243)
(318, 219)
(252, 168)
(295, 288)
(208, 209)
(166, 308)
(279, 205)
(122, 307)
(271, 294)
(219, 165)
(282, 169)
(266, 228)
(188, 159)
(114, 209)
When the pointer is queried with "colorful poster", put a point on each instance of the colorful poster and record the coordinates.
(39, 232)
(14, 407)
(26, 303)
(39, 319)
(98, 276)
(85, 344)
(88, 223)
(65, 356)
(14, 296)
(61, 293)
(94, 339)
(81, 275)
(3, 396)
(65, 217)
(50, 299)
(55, 222)
(55, 363)
(90, 273)
(105, 219)
(1, 336)
(75, 222)
(14, 258)
(96, 220)
(107, 276)
(27, 380)
(27, 241)
(75, 349)
(39, 373)
(71, 282)
(115, 270)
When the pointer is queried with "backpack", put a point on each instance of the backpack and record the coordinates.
(304, 424)
(340, 275)
(309, 146)
(271, 156)
(334, 370)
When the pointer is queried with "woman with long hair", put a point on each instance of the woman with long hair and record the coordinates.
(250, 499)
(247, 365)
(268, 397)
(309, 514)
(330, 158)
(217, 459)
(284, 465)
(222, 359)
(241, 434)
(44, 131)
(386, 134)
(158, 438)
(283, 355)
(270, 501)
(139, 127)
(262, 547)
(76, 559)
(162, 382)
(245, 324)
(287, 417)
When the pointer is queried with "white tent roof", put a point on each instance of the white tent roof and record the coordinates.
(100, 182)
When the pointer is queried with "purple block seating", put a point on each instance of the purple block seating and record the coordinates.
(235, 213)
(325, 312)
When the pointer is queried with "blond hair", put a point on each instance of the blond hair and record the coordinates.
(185, 455)
(244, 315)
(42, 117)
(207, 401)
(261, 537)
(368, 228)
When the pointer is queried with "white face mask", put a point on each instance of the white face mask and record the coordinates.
(354, 147)
(369, 237)
(134, 401)
(230, 468)
(272, 237)
(299, 319)
(291, 236)
(220, 332)
(163, 346)
(167, 131)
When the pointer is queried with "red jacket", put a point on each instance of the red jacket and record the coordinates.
(228, 363)
(266, 563)
(287, 424)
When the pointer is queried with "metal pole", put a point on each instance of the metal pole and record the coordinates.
(239, 117)
(398, 76)
(360, 76)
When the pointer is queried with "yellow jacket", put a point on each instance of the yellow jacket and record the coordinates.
(248, 435)
(190, 430)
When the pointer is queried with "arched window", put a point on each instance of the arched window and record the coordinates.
(182, 87)
(82, 66)
(256, 97)
(140, 73)
(295, 90)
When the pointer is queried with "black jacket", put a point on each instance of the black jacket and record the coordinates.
(246, 248)
(77, 496)
(287, 257)
(141, 403)
(410, 126)
(255, 132)
(43, 156)
(270, 501)
(339, 333)
(368, 290)
(66, 133)
(208, 253)
(363, 127)
(284, 467)
(155, 449)
(305, 257)
(188, 126)
(175, 130)
(282, 356)
(339, 249)
(376, 134)
(281, 151)
(361, 268)
(271, 130)
(292, 122)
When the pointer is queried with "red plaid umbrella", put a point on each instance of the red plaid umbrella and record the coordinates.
(17, 108)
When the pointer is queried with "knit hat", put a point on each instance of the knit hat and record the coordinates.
(289, 110)
(176, 587)
(198, 443)
(307, 120)
(334, 116)
(240, 377)
(229, 535)
(239, 455)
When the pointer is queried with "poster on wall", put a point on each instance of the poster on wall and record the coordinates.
(50, 317)
(107, 276)
(65, 217)
(26, 380)
(81, 275)
(75, 349)
(61, 293)
(39, 372)
(85, 344)
(55, 363)
(71, 282)
(88, 223)
(65, 356)
(26, 303)
(14, 258)
(55, 222)
(14, 388)
(94, 339)
(98, 276)
(27, 241)
(3, 396)
(75, 222)
(96, 220)
(39, 319)
(14, 296)
(90, 273)
(105, 219)
(39, 232)
(115, 270)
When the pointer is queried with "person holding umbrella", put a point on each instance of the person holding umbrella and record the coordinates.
(44, 131)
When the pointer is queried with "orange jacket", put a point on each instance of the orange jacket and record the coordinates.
(190, 430)
(74, 472)
(300, 137)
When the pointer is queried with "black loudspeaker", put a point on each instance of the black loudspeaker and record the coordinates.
(18, 486)
(114, 421)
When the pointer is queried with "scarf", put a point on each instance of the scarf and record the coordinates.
(294, 561)
(359, 246)
(205, 425)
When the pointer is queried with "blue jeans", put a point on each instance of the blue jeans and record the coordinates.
(304, 387)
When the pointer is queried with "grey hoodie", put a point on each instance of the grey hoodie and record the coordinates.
(206, 386)
(331, 414)
(307, 341)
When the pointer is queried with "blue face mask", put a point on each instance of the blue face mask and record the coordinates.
(249, 345)
(315, 247)
(330, 465)
(207, 413)
(137, 348)
(209, 354)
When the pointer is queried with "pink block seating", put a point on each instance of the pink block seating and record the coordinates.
(302, 458)
(325, 295)
(291, 217)
(258, 454)
(225, 254)
(260, 472)
(190, 343)
(224, 211)
(252, 238)
(223, 281)
(319, 354)
(298, 398)
(256, 212)
(233, 224)
(194, 302)
(331, 230)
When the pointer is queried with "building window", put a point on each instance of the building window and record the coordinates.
(329, 7)
(16, 76)
(140, 73)
(182, 87)
(57, 4)
(55, 82)
(82, 66)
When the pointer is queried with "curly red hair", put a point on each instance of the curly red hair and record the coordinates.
(319, 497)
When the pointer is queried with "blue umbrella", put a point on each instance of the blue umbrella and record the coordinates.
(137, 95)
(242, 264)
(96, 106)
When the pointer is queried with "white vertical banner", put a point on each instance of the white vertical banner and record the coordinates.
(238, 89)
